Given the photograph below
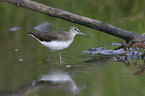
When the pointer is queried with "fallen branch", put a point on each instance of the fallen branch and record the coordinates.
(95, 24)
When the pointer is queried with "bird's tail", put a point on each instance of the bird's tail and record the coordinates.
(34, 34)
(30, 33)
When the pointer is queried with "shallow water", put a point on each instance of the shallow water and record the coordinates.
(23, 60)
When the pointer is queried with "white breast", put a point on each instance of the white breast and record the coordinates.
(56, 45)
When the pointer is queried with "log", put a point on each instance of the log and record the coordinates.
(74, 18)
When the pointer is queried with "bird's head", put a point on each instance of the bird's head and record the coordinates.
(75, 31)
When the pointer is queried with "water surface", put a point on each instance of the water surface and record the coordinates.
(23, 60)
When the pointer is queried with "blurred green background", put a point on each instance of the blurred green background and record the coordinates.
(103, 77)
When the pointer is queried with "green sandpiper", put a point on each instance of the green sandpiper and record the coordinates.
(57, 40)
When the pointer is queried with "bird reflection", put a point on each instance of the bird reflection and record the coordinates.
(57, 80)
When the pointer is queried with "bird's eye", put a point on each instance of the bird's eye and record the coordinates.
(76, 29)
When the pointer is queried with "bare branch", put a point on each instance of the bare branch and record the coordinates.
(95, 24)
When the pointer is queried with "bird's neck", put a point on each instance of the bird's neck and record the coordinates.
(72, 35)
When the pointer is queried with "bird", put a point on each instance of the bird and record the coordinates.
(57, 40)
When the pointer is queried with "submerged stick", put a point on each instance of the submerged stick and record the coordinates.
(95, 24)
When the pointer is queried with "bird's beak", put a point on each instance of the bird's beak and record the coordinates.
(84, 34)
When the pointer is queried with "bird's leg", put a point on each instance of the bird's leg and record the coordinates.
(48, 55)
(60, 55)
(60, 58)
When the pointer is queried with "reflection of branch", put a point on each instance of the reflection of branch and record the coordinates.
(95, 24)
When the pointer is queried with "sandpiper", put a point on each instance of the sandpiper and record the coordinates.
(57, 40)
